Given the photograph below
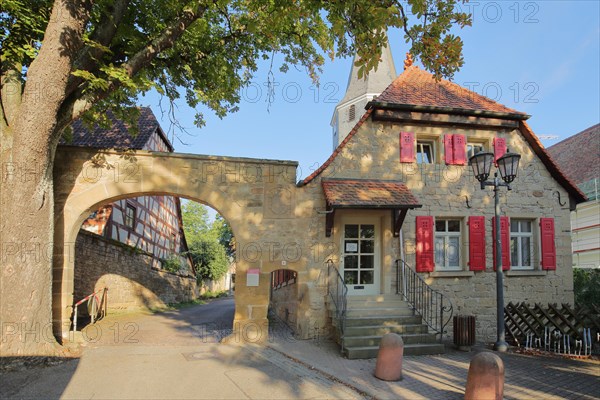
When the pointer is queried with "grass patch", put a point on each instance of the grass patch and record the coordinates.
(213, 295)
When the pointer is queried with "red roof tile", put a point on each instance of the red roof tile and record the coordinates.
(362, 193)
(416, 87)
(118, 135)
(579, 155)
(550, 163)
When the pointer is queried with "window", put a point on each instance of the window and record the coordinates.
(447, 244)
(474, 148)
(521, 244)
(130, 216)
(359, 254)
(425, 152)
(352, 113)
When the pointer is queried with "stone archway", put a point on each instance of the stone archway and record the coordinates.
(257, 197)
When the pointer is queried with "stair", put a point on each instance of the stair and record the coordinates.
(370, 317)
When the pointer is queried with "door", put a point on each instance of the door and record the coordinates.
(360, 257)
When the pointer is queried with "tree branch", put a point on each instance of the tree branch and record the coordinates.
(163, 42)
(11, 85)
(103, 34)
(76, 103)
(405, 20)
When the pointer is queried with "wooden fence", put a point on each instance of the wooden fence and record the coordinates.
(523, 320)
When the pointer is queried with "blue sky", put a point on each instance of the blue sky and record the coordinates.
(539, 57)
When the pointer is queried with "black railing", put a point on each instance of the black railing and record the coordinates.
(338, 292)
(435, 309)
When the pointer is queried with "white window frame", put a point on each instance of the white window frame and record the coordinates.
(519, 235)
(126, 218)
(420, 144)
(445, 235)
(470, 153)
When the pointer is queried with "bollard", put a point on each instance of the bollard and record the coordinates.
(389, 358)
(485, 380)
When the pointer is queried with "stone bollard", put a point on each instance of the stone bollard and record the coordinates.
(389, 358)
(485, 380)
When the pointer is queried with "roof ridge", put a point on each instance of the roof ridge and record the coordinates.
(457, 96)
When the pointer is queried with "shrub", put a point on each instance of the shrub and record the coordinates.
(586, 285)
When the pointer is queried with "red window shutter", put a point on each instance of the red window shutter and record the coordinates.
(448, 152)
(459, 147)
(424, 244)
(504, 240)
(548, 243)
(477, 243)
(407, 147)
(499, 148)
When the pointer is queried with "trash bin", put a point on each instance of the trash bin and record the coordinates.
(464, 331)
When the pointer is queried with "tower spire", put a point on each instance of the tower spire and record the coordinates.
(359, 92)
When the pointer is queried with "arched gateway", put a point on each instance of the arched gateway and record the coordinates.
(257, 197)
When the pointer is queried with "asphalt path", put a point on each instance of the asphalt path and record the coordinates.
(172, 355)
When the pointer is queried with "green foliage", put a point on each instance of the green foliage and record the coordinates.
(586, 285)
(209, 258)
(225, 235)
(213, 295)
(195, 220)
(207, 51)
(209, 244)
(172, 264)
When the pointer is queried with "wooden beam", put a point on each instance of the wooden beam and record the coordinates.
(329, 221)
(443, 119)
(398, 216)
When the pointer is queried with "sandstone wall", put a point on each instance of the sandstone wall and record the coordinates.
(284, 302)
(131, 280)
(453, 192)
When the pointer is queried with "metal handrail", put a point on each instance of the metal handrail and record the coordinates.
(92, 300)
(427, 302)
(338, 292)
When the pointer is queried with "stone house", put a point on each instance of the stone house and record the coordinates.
(579, 157)
(397, 204)
(384, 236)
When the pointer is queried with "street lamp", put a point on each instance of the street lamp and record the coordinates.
(507, 165)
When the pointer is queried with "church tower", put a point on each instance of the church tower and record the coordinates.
(359, 92)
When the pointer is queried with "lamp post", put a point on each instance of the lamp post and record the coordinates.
(507, 165)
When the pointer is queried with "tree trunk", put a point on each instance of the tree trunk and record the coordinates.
(29, 139)
(26, 229)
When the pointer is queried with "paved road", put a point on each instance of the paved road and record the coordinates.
(172, 355)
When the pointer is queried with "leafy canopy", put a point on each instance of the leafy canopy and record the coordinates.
(206, 51)
(210, 244)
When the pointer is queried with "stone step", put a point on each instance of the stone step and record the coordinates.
(376, 312)
(383, 320)
(409, 350)
(376, 299)
(377, 304)
(373, 330)
(367, 341)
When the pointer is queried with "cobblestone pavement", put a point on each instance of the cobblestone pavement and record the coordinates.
(444, 376)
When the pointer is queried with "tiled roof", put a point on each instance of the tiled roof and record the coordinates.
(362, 193)
(551, 165)
(118, 135)
(579, 155)
(416, 87)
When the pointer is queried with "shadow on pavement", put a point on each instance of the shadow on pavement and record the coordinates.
(35, 377)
